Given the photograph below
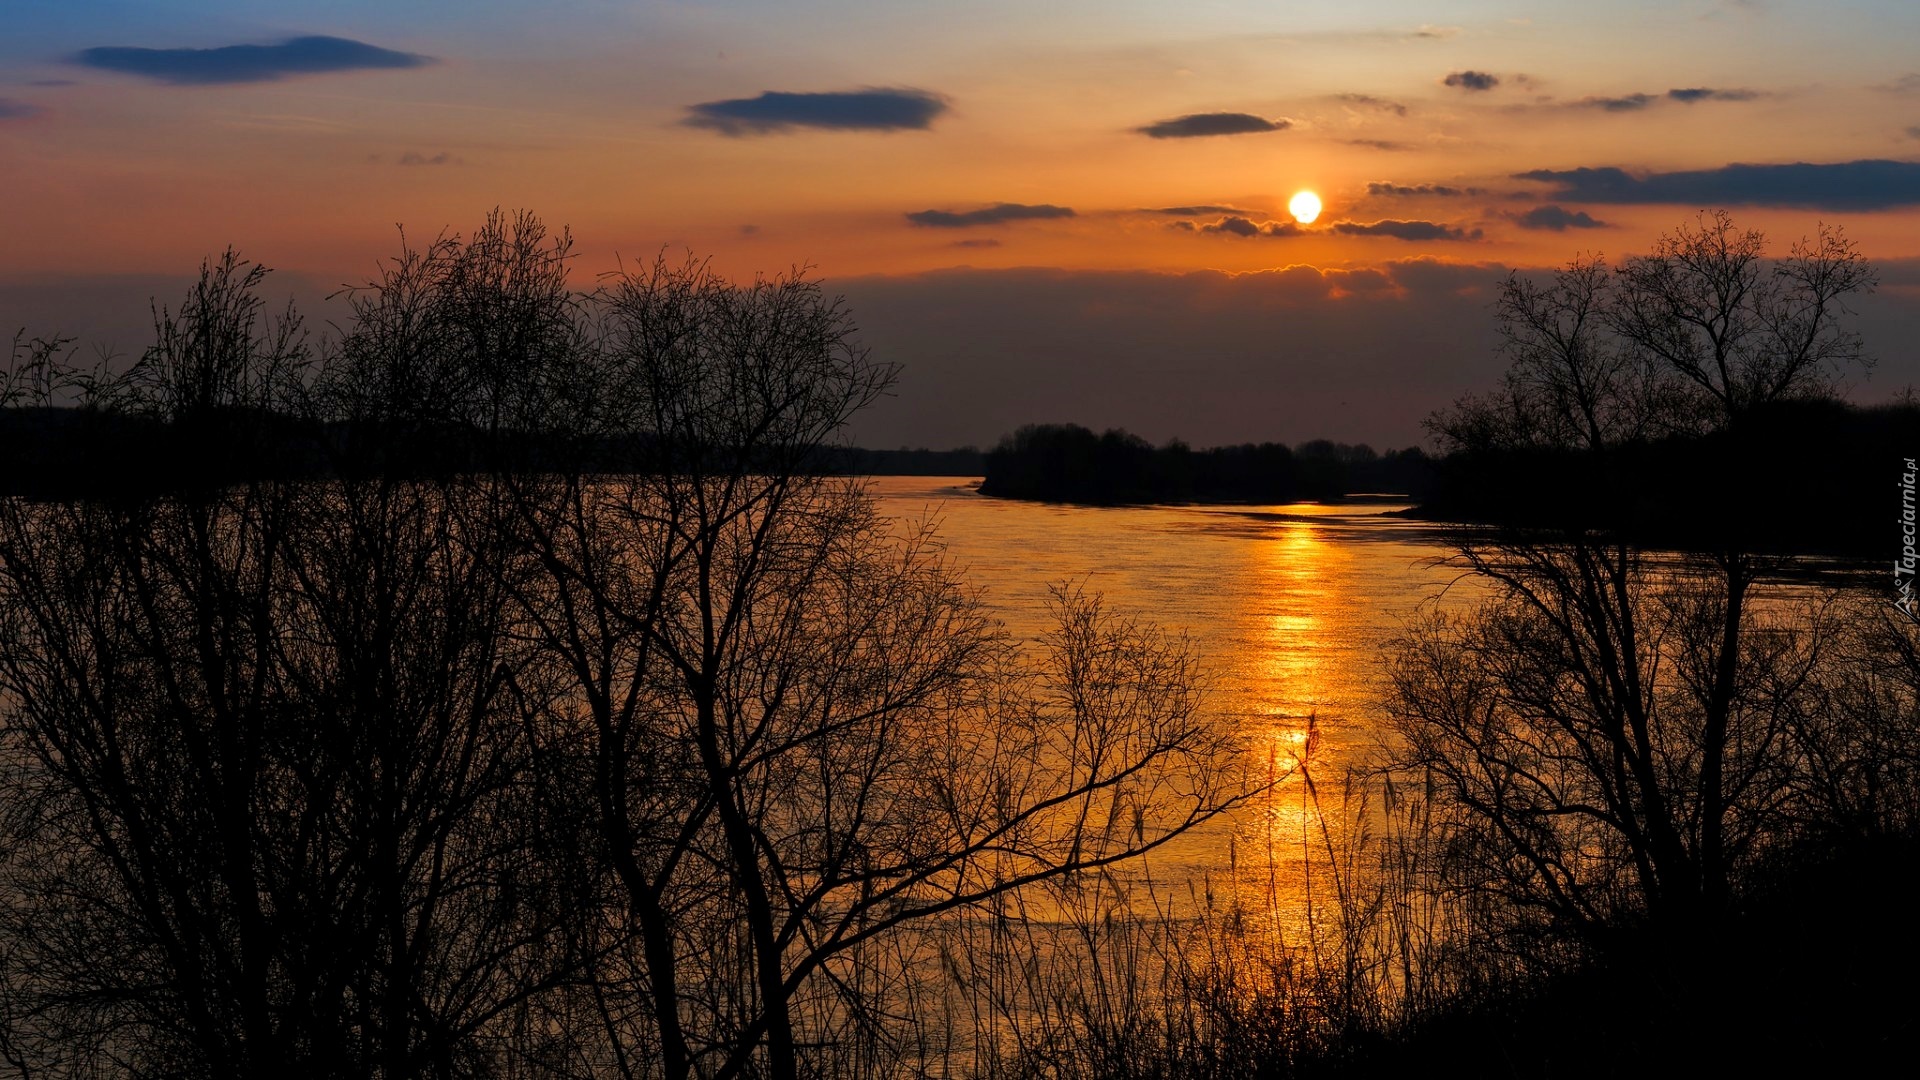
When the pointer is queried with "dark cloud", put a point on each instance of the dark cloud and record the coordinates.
(1235, 225)
(1853, 185)
(996, 214)
(1213, 357)
(1368, 101)
(442, 158)
(1899, 273)
(1405, 230)
(1702, 93)
(1378, 144)
(16, 110)
(1413, 190)
(1197, 125)
(872, 109)
(1193, 211)
(1685, 96)
(248, 63)
(749, 230)
(1557, 219)
(977, 242)
(1914, 132)
(1623, 103)
(1472, 80)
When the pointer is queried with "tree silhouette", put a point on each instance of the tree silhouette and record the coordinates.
(1615, 728)
(499, 687)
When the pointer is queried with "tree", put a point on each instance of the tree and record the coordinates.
(500, 687)
(1613, 727)
(803, 734)
(271, 807)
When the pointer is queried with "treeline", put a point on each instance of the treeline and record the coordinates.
(919, 461)
(1070, 463)
(1783, 477)
(1792, 476)
(102, 451)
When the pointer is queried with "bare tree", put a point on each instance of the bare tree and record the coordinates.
(271, 805)
(805, 735)
(1613, 728)
(502, 688)
(1711, 310)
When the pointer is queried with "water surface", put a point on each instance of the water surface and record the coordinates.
(1292, 607)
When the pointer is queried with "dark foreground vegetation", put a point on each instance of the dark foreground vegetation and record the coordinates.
(504, 687)
(501, 688)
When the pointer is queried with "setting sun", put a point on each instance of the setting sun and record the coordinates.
(1304, 206)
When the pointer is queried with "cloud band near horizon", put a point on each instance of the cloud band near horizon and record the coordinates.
(997, 214)
(1852, 185)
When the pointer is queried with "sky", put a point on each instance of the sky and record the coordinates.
(1069, 211)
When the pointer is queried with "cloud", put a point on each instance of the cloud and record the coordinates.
(871, 109)
(1623, 103)
(1914, 131)
(1405, 230)
(1557, 219)
(1368, 101)
(1905, 84)
(1472, 80)
(1235, 225)
(1378, 144)
(1193, 211)
(1702, 93)
(997, 214)
(1197, 125)
(442, 158)
(976, 242)
(17, 110)
(50, 82)
(1852, 185)
(247, 63)
(1684, 95)
(1292, 353)
(1438, 33)
(1408, 191)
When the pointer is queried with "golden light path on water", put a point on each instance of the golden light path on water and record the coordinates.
(1292, 608)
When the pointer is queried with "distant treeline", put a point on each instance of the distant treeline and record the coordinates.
(1809, 477)
(1796, 476)
(1806, 476)
(1069, 463)
(853, 460)
(63, 452)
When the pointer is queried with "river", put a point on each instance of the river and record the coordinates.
(1292, 608)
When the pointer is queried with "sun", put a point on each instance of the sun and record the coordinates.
(1305, 206)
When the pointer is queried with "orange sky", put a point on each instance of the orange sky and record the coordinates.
(134, 140)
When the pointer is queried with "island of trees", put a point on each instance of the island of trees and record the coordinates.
(1070, 463)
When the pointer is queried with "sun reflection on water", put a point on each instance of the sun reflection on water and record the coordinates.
(1292, 609)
